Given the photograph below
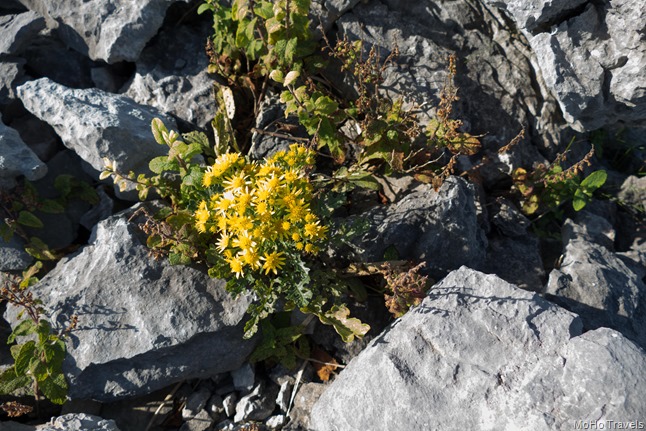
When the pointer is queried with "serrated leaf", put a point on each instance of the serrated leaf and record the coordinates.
(25, 327)
(54, 388)
(26, 354)
(464, 144)
(28, 219)
(10, 381)
(347, 327)
(178, 259)
(159, 164)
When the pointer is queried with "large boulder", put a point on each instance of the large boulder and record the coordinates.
(606, 288)
(440, 228)
(479, 353)
(143, 324)
(96, 124)
(591, 56)
(108, 30)
(172, 75)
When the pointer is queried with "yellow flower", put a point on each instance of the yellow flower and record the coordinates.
(236, 265)
(273, 262)
(223, 242)
(208, 177)
(309, 248)
(236, 182)
(202, 215)
(251, 258)
(244, 242)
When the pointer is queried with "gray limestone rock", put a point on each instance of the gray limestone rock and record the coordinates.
(479, 353)
(172, 75)
(11, 75)
(534, 15)
(440, 228)
(108, 30)
(78, 422)
(633, 192)
(516, 260)
(13, 256)
(603, 287)
(258, 405)
(143, 324)
(96, 124)
(16, 158)
(593, 62)
(18, 30)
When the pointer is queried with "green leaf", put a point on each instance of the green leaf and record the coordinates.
(204, 7)
(10, 381)
(27, 218)
(347, 327)
(264, 9)
(25, 327)
(178, 259)
(158, 130)
(160, 164)
(38, 249)
(326, 106)
(595, 180)
(63, 183)
(579, 200)
(51, 206)
(54, 388)
(26, 354)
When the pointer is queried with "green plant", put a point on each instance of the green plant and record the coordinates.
(547, 187)
(38, 361)
(250, 222)
(19, 210)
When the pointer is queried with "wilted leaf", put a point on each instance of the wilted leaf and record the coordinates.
(324, 364)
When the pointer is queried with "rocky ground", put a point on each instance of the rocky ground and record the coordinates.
(521, 331)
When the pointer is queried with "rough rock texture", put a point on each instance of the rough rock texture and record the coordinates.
(479, 353)
(11, 75)
(68, 422)
(108, 30)
(17, 30)
(499, 91)
(96, 124)
(534, 15)
(633, 192)
(16, 158)
(13, 256)
(593, 61)
(143, 324)
(605, 288)
(440, 228)
(172, 77)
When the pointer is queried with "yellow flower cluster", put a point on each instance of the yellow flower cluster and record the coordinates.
(259, 212)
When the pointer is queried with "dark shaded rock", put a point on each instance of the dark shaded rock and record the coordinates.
(479, 353)
(605, 288)
(11, 75)
(48, 57)
(38, 135)
(18, 30)
(143, 324)
(105, 30)
(439, 228)
(172, 75)
(633, 193)
(16, 158)
(516, 260)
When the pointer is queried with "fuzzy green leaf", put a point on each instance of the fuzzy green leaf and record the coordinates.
(10, 381)
(25, 327)
(51, 206)
(54, 388)
(25, 355)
